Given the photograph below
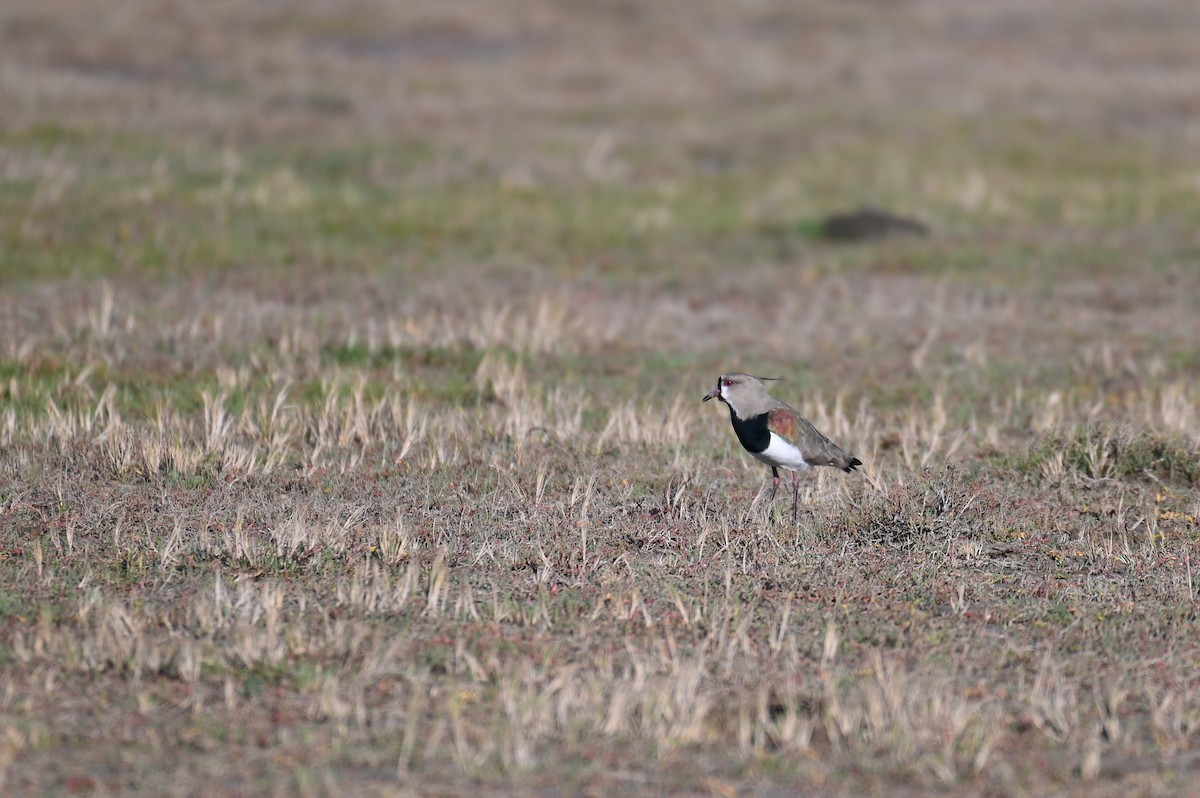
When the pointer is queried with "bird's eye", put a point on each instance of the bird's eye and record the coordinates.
(728, 383)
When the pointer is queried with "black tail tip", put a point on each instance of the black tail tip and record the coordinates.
(854, 463)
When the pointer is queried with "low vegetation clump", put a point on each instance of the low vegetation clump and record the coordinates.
(1118, 453)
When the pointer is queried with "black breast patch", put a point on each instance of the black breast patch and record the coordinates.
(753, 433)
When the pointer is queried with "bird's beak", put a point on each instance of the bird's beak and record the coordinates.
(715, 393)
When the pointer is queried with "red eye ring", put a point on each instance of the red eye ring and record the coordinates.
(728, 383)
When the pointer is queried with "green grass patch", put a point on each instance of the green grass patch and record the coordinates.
(1105, 451)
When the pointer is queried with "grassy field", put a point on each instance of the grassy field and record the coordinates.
(351, 359)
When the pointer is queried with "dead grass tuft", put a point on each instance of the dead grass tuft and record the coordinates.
(1107, 452)
(930, 511)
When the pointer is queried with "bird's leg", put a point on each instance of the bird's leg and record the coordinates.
(795, 494)
(774, 487)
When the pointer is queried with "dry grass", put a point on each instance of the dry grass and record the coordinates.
(532, 578)
(350, 433)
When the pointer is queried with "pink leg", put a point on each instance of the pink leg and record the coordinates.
(795, 494)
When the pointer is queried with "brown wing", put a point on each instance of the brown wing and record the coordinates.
(816, 448)
(784, 421)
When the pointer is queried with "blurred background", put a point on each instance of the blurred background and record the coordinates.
(666, 169)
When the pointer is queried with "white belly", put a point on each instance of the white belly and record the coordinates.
(782, 454)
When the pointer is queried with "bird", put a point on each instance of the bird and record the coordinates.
(775, 432)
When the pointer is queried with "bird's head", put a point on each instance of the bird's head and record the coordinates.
(746, 395)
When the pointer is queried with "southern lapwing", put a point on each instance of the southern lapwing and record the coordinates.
(776, 433)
